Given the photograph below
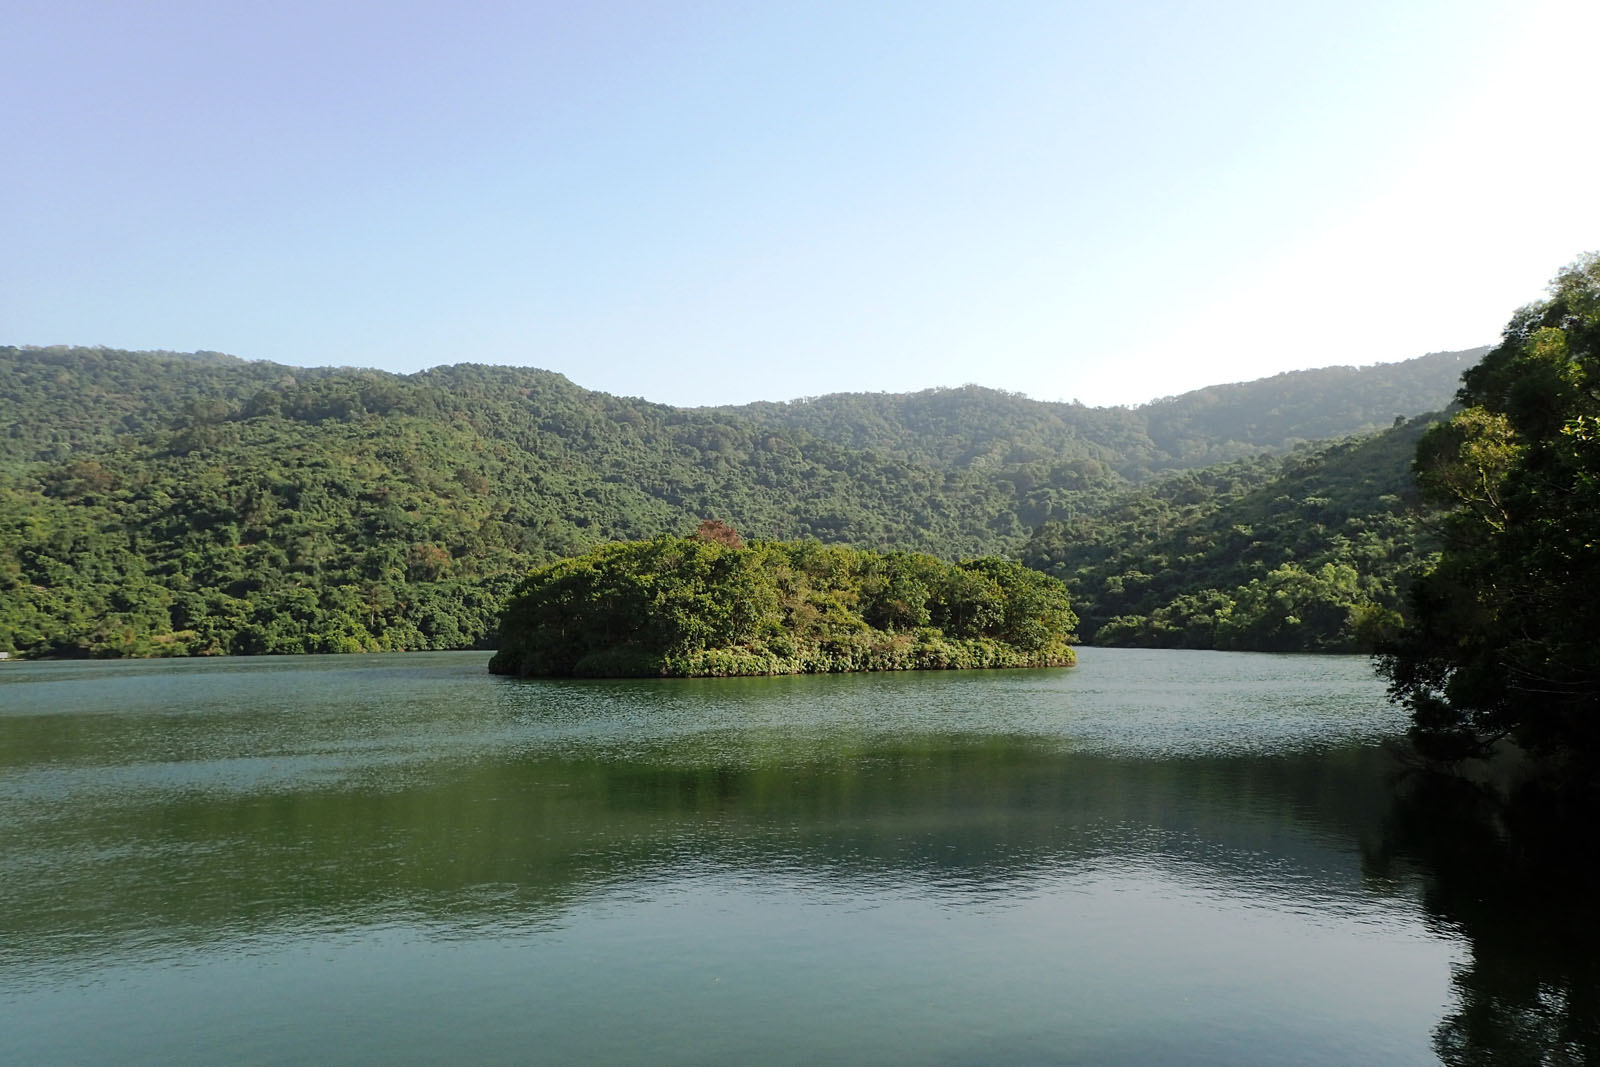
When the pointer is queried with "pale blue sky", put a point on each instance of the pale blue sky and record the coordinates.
(707, 203)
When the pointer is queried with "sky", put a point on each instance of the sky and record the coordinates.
(708, 203)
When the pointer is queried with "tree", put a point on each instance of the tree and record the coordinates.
(1504, 638)
(718, 532)
(1293, 609)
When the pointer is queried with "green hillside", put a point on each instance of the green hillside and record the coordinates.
(972, 426)
(1288, 554)
(167, 503)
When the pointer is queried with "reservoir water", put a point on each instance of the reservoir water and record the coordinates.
(1153, 858)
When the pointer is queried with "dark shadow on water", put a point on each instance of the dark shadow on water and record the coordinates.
(1513, 870)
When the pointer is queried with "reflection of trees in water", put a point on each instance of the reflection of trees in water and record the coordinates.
(1516, 874)
(523, 838)
(519, 840)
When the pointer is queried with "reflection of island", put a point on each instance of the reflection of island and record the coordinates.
(710, 606)
(1518, 876)
(521, 837)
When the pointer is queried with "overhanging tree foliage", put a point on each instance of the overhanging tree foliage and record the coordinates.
(1504, 640)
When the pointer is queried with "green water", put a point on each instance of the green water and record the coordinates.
(1157, 857)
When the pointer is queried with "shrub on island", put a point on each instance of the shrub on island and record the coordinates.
(712, 607)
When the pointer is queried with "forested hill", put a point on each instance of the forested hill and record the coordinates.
(55, 400)
(983, 427)
(161, 502)
(1298, 553)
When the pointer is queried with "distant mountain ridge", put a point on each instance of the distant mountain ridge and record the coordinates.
(1215, 424)
(89, 395)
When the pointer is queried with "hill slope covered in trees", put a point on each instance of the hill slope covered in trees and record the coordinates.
(166, 503)
(976, 427)
(1305, 553)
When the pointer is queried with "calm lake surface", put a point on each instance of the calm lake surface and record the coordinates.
(1156, 857)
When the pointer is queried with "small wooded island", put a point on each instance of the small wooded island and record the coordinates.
(709, 605)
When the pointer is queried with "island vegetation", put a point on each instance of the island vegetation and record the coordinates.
(710, 605)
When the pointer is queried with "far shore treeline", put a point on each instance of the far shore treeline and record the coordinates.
(166, 504)
(711, 606)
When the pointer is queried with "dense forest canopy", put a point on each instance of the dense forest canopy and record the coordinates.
(162, 503)
(707, 605)
(1309, 553)
(1504, 636)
